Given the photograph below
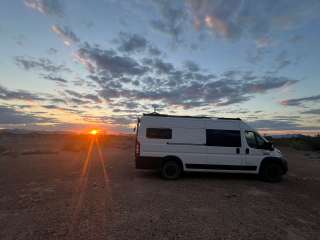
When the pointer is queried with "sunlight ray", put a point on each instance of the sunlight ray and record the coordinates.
(105, 174)
(81, 187)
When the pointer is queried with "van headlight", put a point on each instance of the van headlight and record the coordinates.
(278, 152)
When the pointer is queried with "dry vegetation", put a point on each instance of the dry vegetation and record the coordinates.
(307, 143)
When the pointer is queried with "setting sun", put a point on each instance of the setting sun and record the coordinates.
(93, 132)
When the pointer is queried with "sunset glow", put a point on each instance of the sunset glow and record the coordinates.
(94, 132)
(103, 68)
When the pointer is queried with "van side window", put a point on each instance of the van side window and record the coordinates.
(159, 133)
(223, 138)
(260, 142)
(251, 139)
(254, 140)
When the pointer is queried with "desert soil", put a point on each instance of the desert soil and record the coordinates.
(61, 188)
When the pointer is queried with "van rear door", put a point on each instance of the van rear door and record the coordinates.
(137, 143)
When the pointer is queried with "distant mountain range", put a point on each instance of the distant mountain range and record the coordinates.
(288, 136)
(25, 131)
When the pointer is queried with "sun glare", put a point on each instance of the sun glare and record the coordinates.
(94, 132)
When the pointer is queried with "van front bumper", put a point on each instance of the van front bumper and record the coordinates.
(144, 162)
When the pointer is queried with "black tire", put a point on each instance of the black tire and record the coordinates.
(171, 170)
(271, 172)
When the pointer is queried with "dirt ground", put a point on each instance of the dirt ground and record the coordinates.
(62, 187)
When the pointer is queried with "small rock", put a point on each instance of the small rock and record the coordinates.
(230, 195)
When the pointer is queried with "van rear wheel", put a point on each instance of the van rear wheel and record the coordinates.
(271, 172)
(171, 170)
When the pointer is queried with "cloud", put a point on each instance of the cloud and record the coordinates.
(263, 42)
(11, 116)
(134, 43)
(55, 79)
(191, 66)
(52, 51)
(42, 64)
(267, 83)
(154, 51)
(73, 93)
(300, 101)
(160, 66)
(56, 107)
(6, 94)
(108, 62)
(172, 21)
(278, 125)
(66, 34)
(79, 101)
(232, 19)
(296, 39)
(230, 91)
(131, 43)
(312, 111)
(57, 100)
(83, 98)
(215, 23)
(282, 61)
(121, 120)
(92, 97)
(190, 94)
(256, 55)
(286, 117)
(47, 7)
(161, 82)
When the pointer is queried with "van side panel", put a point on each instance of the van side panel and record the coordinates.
(187, 142)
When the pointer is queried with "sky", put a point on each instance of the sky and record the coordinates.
(76, 64)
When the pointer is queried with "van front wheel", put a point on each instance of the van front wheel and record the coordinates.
(171, 170)
(271, 172)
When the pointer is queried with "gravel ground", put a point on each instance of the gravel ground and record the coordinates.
(49, 193)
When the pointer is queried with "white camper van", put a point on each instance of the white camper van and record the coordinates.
(175, 144)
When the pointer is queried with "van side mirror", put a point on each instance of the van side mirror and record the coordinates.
(269, 146)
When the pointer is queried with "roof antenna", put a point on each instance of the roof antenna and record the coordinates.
(154, 108)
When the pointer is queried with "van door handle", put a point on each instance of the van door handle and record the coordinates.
(238, 150)
(247, 151)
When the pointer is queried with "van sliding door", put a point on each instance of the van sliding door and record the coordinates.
(189, 145)
(224, 151)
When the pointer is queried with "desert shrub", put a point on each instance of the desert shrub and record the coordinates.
(301, 143)
(39, 152)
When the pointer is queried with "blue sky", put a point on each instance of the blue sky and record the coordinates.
(72, 65)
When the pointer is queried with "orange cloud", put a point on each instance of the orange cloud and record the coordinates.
(217, 25)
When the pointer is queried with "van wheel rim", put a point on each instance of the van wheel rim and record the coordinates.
(171, 170)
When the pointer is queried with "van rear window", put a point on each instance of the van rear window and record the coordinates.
(159, 133)
(223, 138)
